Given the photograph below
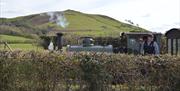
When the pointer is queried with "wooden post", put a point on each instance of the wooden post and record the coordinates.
(6, 44)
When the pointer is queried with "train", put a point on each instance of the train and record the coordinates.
(125, 43)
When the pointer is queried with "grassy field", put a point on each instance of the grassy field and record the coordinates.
(25, 47)
(14, 39)
(16, 42)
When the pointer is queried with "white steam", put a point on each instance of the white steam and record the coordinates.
(58, 18)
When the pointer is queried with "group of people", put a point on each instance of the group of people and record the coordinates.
(148, 46)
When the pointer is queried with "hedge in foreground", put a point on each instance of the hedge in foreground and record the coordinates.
(37, 71)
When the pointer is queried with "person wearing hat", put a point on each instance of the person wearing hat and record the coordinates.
(149, 46)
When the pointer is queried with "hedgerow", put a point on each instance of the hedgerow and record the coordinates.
(47, 71)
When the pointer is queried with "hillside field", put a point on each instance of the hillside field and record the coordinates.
(79, 24)
(16, 42)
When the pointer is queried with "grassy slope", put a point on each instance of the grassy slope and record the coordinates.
(97, 25)
(16, 42)
(26, 47)
(79, 23)
(19, 39)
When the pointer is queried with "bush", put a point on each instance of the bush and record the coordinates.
(44, 71)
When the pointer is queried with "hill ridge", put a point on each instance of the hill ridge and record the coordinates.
(39, 24)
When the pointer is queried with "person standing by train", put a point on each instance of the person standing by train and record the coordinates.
(149, 46)
(123, 45)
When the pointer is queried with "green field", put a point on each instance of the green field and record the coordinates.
(25, 47)
(16, 42)
(15, 39)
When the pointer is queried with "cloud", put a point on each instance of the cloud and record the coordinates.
(165, 27)
(177, 23)
(2, 3)
(146, 15)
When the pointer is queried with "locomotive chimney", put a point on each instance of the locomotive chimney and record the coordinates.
(87, 41)
(59, 41)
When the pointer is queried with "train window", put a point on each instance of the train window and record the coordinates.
(178, 46)
(131, 42)
(174, 46)
(169, 45)
(135, 45)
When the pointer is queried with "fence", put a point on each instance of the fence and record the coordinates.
(35, 71)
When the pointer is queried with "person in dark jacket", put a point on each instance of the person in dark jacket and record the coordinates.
(149, 46)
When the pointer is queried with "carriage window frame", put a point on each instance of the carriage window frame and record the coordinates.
(174, 46)
(132, 41)
(169, 46)
(133, 45)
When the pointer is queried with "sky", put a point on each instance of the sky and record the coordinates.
(153, 15)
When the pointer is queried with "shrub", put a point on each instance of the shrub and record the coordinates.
(44, 71)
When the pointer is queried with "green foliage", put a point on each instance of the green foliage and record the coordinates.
(94, 73)
(44, 71)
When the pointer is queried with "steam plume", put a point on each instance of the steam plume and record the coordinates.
(58, 18)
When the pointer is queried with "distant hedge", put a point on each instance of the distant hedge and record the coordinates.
(47, 71)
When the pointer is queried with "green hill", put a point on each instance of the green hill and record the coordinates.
(80, 24)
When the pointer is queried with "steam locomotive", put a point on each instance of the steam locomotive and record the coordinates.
(126, 43)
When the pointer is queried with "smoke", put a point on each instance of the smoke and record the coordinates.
(61, 20)
(58, 18)
(51, 16)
